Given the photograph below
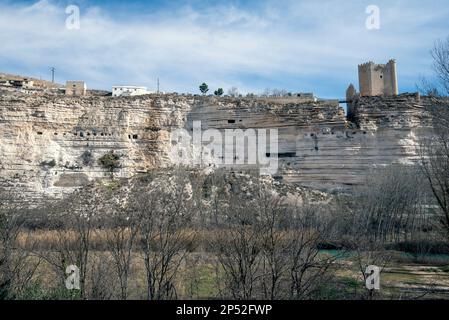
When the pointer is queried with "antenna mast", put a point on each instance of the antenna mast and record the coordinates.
(53, 69)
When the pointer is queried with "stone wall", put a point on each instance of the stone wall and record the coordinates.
(75, 88)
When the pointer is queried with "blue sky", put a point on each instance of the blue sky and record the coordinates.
(300, 46)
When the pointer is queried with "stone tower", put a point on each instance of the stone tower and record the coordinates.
(351, 94)
(75, 88)
(378, 79)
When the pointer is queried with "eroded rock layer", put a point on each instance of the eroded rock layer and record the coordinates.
(51, 144)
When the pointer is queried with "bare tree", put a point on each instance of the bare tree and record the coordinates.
(391, 202)
(266, 93)
(238, 239)
(163, 206)
(279, 93)
(437, 86)
(102, 277)
(292, 264)
(275, 243)
(267, 247)
(388, 208)
(16, 266)
(435, 161)
(74, 220)
(121, 227)
(440, 55)
(233, 92)
(310, 225)
(435, 149)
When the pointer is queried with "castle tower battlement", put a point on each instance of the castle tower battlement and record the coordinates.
(378, 79)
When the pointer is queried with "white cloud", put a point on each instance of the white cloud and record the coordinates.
(292, 44)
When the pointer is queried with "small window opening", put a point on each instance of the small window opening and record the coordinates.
(287, 154)
(231, 121)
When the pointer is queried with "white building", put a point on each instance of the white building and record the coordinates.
(127, 91)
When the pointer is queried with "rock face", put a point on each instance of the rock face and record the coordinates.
(384, 130)
(51, 144)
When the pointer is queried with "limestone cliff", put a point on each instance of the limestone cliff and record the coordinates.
(51, 144)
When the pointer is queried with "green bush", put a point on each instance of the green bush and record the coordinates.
(87, 158)
(219, 92)
(110, 161)
(445, 268)
(204, 88)
(36, 291)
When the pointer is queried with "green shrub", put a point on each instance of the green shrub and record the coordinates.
(87, 158)
(110, 161)
(445, 268)
(36, 291)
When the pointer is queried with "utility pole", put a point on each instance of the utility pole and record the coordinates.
(53, 69)
(157, 85)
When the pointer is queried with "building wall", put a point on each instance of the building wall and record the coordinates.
(25, 83)
(75, 88)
